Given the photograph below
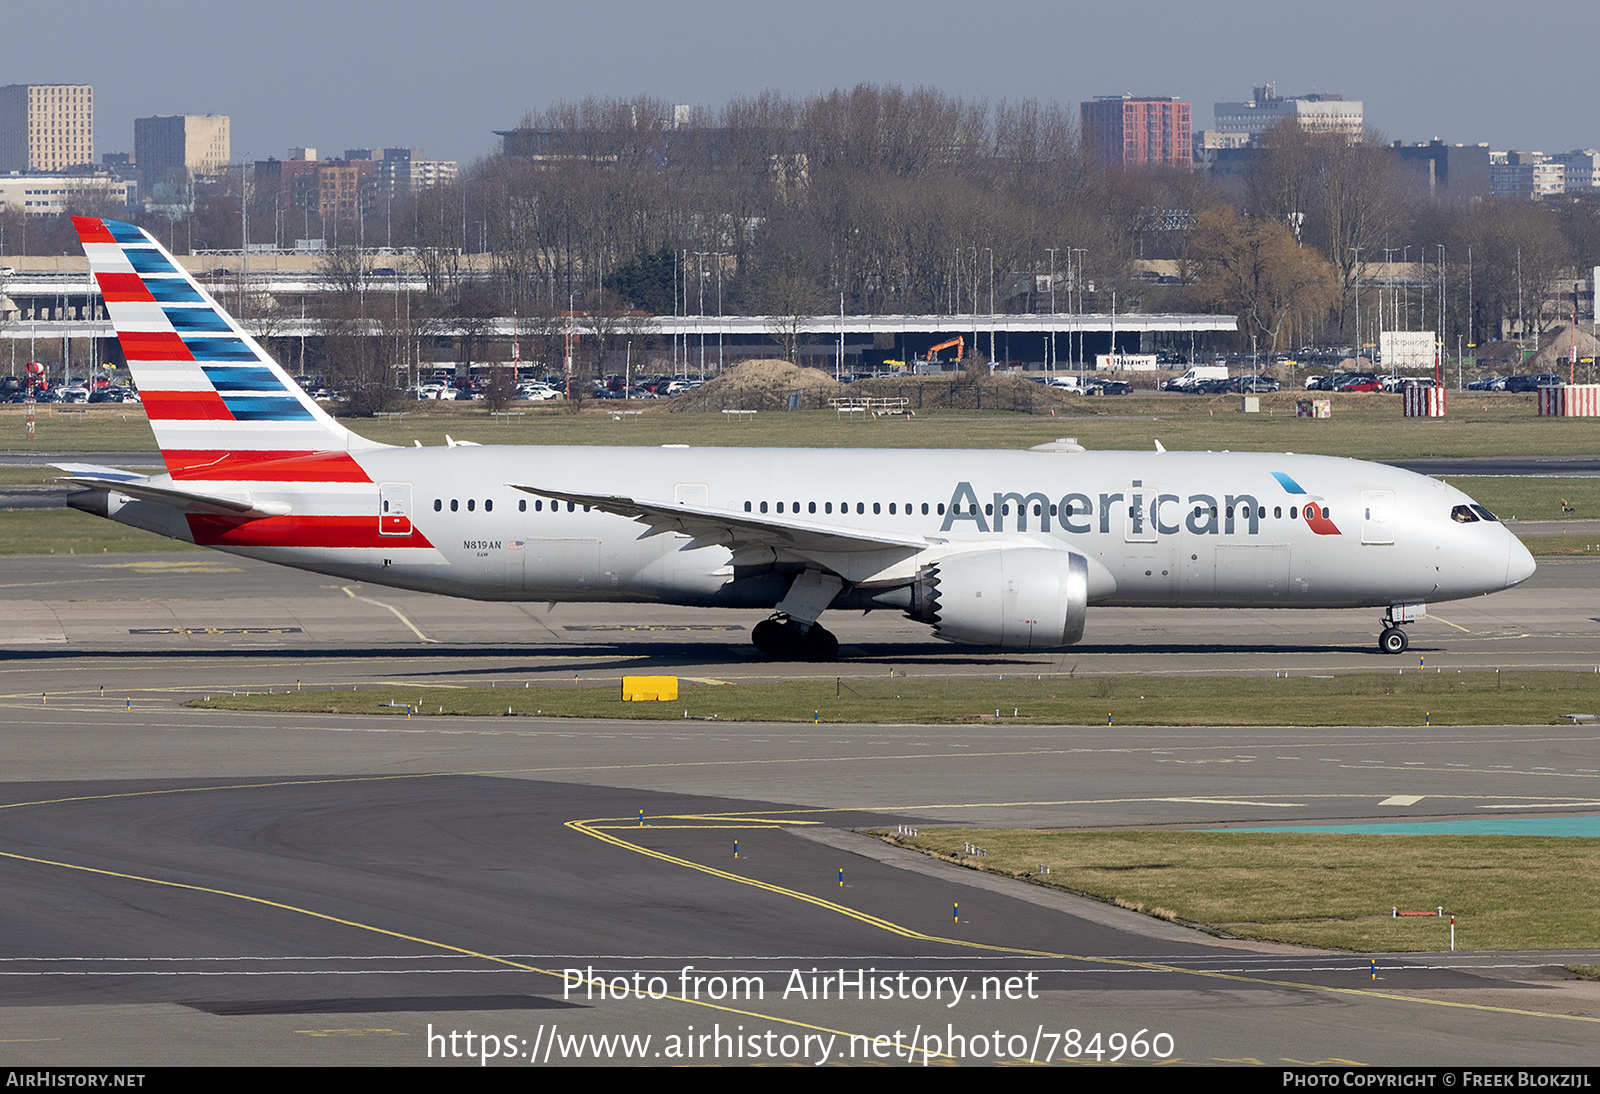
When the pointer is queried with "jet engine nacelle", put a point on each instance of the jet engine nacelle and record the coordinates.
(1021, 597)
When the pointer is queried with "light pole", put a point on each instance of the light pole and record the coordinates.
(1050, 351)
(700, 276)
(1082, 253)
(244, 231)
(719, 313)
(1442, 309)
(991, 309)
(974, 300)
(1355, 277)
(1405, 285)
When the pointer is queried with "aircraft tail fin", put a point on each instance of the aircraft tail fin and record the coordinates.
(216, 400)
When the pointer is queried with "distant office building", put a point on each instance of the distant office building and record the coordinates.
(175, 149)
(1138, 132)
(333, 189)
(41, 194)
(1582, 169)
(1215, 153)
(1320, 113)
(1526, 175)
(1455, 170)
(46, 127)
(401, 172)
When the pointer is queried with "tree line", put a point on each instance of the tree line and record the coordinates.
(885, 200)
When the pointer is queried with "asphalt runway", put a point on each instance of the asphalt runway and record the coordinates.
(189, 887)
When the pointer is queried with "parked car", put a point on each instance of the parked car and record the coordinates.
(1256, 384)
(1533, 383)
(1358, 381)
(1109, 387)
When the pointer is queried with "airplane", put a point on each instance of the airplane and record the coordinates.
(990, 548)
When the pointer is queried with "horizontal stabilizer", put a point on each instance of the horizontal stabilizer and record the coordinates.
(95, 471)
(190, 501)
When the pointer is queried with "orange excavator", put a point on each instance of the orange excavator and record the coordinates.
(933, 354)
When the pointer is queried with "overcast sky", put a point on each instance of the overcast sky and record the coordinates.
(444, 76)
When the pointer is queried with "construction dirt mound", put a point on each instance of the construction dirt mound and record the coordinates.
(1553, 355)
(962, 391)
(779, 385)
(763, 385)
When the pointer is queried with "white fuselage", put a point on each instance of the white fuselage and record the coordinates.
(1160, 528)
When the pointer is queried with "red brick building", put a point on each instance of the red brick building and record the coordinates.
(1128, 132)
(333, 189)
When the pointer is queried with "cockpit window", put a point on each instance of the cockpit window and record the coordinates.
(1485, 514)
(1463, 514)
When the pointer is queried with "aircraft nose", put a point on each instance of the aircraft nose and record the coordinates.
(1519, 563)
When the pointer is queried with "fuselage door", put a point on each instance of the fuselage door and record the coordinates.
(1142, 513)
(394, 509)
(1377, 516)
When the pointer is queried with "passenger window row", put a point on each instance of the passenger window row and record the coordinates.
(909, 509)
(895, 509)
(1261, 512)
(488, 505)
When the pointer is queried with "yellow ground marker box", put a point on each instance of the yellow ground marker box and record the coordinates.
(640, 689)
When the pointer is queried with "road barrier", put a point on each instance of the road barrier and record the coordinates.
(1424, 402)
(1570, 401)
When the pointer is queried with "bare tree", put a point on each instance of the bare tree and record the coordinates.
(1358, 199)
(791, 298)
(1255, 269)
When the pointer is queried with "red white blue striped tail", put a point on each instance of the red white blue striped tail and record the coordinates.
(220, 407)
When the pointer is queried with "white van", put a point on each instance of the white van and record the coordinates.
(1194, 376)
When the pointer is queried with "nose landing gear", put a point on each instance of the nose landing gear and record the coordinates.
(1393, 639)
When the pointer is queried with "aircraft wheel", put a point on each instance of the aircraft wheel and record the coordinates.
(764, 635)
(820, 644)
(1393, 640)
(788, 644)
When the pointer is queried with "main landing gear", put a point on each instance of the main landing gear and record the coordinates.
(780, 638)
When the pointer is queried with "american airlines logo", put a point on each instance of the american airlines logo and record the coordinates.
(1141, 513)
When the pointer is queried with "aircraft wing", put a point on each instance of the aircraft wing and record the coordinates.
(191, 501)
(734, 529)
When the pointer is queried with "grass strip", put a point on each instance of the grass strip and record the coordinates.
(1563, 546)
(1406, 697)
(1336, 891)
(68, 531)
(1532, 498)
(1363, 426)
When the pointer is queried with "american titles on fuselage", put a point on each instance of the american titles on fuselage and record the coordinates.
(1145, 512)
